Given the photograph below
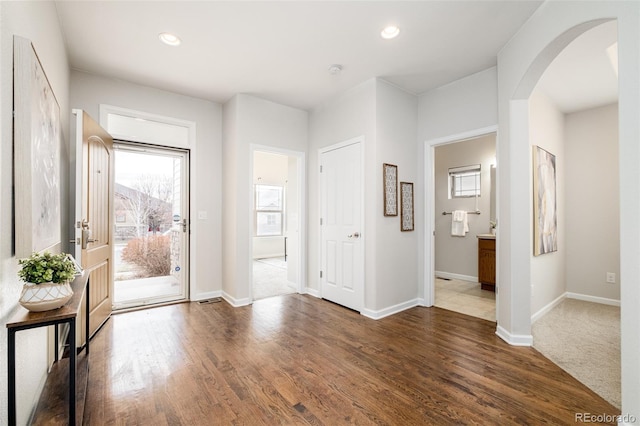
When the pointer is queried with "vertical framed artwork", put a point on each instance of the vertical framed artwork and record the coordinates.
(406, 206)
(37, 145)
(390, 185)
(545, 222)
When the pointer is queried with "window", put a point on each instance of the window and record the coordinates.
(464, 181)
(269, 206)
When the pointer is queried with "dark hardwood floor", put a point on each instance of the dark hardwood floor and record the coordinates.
(300, 360)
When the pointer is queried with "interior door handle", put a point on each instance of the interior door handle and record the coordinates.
(354, 235)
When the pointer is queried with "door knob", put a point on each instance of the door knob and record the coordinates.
(354, 235)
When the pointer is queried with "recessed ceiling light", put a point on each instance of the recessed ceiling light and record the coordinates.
(170, 39)
(390, 32)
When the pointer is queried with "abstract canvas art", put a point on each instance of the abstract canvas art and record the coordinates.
(37, 144)
(545, 222)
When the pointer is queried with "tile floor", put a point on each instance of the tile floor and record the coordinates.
(465, 297)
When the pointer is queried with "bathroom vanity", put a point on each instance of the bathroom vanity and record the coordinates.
(487, 261)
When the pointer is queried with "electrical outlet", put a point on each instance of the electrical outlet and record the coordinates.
(611, 277)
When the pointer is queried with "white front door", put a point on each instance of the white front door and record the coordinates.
(342, 264)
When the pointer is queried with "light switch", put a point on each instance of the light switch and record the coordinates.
(202, 215)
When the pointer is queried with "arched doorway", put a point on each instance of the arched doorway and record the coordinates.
(520, 65)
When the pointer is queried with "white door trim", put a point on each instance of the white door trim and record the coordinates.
(301, 273)
(361, 140)
(429, 199)
(190, 144)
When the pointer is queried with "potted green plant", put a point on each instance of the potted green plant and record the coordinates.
(47, 277)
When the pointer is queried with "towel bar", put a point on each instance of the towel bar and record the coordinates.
(473, 212)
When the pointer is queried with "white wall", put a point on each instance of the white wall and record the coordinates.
(293, 220)
(546, 127)
(270, 168)
(592, 202)
(230, 196)
(459, 110)
(88, 91)
(249, 121)
(38, 22)
(466, 104)
(459, 255)
(520, 64)
(396, 270)
(387, 119)
(350, 115)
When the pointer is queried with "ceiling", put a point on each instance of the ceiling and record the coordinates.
(583, 75)
(282, 50)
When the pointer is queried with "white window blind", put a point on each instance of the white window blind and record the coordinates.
(464, 181)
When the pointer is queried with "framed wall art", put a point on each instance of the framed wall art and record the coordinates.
(390, 185)
(406, 206)
(545, 222)
(37, 145)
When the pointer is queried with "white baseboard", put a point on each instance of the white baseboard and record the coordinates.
(452, 276)
(390, 310)
(584, 297)
(514, 339)
(236, 303)
(313, 292)
(268, 256)
(206, 295)
(594, 299)
(542, 312)
(423, 302)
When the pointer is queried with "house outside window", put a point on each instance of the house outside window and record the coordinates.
(268, 210)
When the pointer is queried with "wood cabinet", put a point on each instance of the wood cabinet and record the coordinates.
(487, 263)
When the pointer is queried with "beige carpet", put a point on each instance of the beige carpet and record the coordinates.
(270, 278)
(583, 338)
(465, 297)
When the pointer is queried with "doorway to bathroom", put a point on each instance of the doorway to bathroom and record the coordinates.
(464, 225)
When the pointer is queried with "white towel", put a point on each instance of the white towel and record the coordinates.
(459, 223)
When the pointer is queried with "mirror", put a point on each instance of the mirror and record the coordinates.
(492, 196)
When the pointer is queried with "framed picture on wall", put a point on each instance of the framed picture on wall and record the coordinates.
(406, 206)
(37, 146)
(390, 185)
(545, 222)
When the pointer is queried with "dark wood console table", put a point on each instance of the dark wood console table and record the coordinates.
(67, 314)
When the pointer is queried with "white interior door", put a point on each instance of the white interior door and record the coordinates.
(342, 273)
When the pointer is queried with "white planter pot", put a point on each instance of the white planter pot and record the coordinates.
(45, 296)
